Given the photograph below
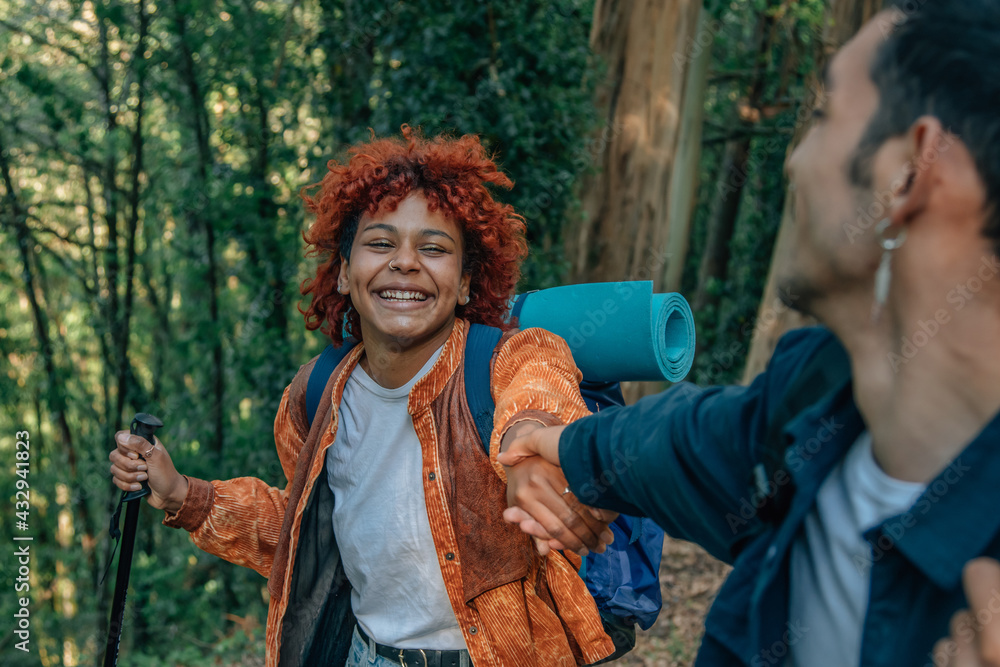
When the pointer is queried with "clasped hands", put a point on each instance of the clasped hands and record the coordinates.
(536, 494)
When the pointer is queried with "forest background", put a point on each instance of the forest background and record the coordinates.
(151, 154)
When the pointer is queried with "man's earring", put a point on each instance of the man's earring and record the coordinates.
(883, 276)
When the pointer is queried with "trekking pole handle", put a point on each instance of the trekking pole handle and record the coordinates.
(144, 425)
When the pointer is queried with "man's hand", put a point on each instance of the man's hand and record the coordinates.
(167, 486)
(975, 632)
(539, 495)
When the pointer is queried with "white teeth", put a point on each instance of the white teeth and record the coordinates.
(401, 295)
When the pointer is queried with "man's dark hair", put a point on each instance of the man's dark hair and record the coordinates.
(941, 60)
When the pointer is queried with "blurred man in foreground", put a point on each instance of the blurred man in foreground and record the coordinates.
(850, 548)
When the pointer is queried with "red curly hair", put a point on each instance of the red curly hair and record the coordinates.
(452, 174)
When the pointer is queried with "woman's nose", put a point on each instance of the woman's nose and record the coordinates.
(405, 259)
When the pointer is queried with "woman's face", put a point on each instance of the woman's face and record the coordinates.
(405, 274)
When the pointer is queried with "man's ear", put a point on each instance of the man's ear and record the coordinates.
(926, 141)
(344, 277)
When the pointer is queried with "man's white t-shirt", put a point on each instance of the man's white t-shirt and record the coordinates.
(380, 519)
(831, 561)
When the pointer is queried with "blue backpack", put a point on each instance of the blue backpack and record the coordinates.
(624, 580)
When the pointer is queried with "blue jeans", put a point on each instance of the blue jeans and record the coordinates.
(363, 655)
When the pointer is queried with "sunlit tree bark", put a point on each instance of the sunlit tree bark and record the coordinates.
(654, 55)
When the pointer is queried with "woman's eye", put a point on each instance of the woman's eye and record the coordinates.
(379, 244)
(433, 249)
(818, 114)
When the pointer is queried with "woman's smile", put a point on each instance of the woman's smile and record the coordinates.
(405, 274)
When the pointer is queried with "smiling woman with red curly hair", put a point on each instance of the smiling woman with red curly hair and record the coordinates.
(388, 544)
(453, 175)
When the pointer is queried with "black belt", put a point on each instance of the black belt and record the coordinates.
(415, 657)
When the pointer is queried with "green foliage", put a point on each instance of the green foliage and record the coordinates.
(513, 72)
(725, 329)
(241, 105)
(197, 122)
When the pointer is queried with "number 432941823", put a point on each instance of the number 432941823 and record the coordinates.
(23, 455)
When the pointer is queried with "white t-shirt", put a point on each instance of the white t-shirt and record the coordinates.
(380, 519)
(831, 561)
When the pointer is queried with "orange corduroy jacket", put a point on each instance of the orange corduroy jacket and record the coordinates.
(515, 608)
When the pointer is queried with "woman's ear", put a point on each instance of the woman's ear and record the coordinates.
(344, 277)
(463, 289)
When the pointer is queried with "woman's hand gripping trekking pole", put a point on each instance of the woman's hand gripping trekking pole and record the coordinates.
(134, 461)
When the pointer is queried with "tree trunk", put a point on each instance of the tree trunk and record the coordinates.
(649, 48)
(637, 207)
(722, 221)
(109, 185)
(132, 224)
(684, 178)
(733, 174)
(201, 217)
(268, 236)
(845, 17)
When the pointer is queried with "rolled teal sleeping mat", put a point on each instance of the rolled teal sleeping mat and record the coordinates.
(617, 331)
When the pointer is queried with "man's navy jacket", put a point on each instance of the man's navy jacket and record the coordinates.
(685, 458)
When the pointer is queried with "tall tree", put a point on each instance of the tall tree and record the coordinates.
(733, 174)
(653, 58)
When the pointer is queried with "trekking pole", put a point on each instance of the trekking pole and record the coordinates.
(144, 425)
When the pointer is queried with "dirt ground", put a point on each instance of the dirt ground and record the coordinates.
(689, 580)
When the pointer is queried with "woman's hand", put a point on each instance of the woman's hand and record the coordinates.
(975, 632)
(541, 490)
(133, 461)
(539, 497)
(541, 441)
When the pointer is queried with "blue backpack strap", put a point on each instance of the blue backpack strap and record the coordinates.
(600, 395)
(515, 310)
(479, 346)
(320, 375)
